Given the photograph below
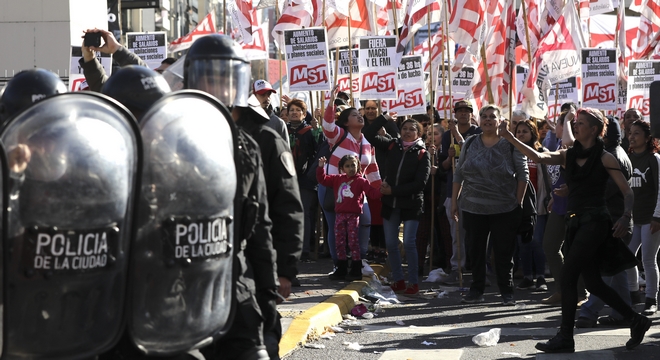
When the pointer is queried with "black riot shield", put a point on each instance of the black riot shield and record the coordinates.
(73, 172)
(181, 290)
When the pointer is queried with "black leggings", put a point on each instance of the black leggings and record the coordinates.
(583, 257)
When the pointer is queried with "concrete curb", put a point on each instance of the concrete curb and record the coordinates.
(327, 313)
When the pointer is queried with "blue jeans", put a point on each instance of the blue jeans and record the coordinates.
(594, 305)
(532, 257)
(365, 223)
(391, 228)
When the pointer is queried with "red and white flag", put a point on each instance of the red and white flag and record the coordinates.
(651, 10)
(647, 39)
(257, 49)
(500, 54)
(533, 10)
(205, 27)
(417, 15)
(295, 15)
(636, 5)
(438, 45)
(465, 21)
(557, 58)
(240, 13)
(361, 14)
(396, 9)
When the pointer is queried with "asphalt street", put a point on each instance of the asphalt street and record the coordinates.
(442, 328)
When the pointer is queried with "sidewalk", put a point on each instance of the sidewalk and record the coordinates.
(317, 303)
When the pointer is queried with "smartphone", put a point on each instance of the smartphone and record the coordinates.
(92, 39)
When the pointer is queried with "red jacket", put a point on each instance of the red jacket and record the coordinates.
(349, 191)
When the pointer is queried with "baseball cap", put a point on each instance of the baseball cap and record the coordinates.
(262, 86)
(462, 105)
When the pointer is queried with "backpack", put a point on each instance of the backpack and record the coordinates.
(528, 213)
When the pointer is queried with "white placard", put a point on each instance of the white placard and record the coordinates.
(640, 76)
(378, 72)
(307, 59)
(599, 78)
(151, 47)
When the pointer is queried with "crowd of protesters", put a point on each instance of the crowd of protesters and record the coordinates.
(574, 198)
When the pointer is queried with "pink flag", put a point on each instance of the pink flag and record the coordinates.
(205, 27)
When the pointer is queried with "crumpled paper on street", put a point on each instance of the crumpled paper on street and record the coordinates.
(435, 275)
(353, 346)
(489, 338)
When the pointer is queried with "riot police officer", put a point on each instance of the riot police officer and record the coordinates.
(136, 87)
(26, 88)
(226, 75)
(203, 71)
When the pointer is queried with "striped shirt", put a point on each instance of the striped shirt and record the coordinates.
(350, 146)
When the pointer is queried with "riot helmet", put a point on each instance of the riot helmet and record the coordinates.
(217, 65)
(26, 88)
(136, 87)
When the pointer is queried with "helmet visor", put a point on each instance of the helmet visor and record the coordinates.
(228, 80)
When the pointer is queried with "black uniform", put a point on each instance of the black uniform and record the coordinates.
(254, 261)
(285, 211)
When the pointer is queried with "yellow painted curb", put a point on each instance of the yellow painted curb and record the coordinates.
(314, 321)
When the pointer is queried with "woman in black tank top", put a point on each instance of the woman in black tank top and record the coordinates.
(590, 236)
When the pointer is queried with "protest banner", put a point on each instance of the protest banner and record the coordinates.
(599, 78)
(622, 99)
(151, 47)
(76, 77)
(410, 88)
(344, 71)
(307, 59)
(569, 91)
(641, 73)
(461, 88)
(377, 68)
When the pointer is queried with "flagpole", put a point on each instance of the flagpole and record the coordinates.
(457, 234)
(322, 93)
(224, 16)
(491, 99)
(529, 49)
(396, 22)
(616, 33)
(447, 48)
(556, 101)
(431, 239)
(350, 58)
(513, 78)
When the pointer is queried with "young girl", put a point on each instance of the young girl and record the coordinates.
(646, 210)
(531, 253)
(349, 188)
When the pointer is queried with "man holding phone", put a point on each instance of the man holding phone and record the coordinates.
(92, 69)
